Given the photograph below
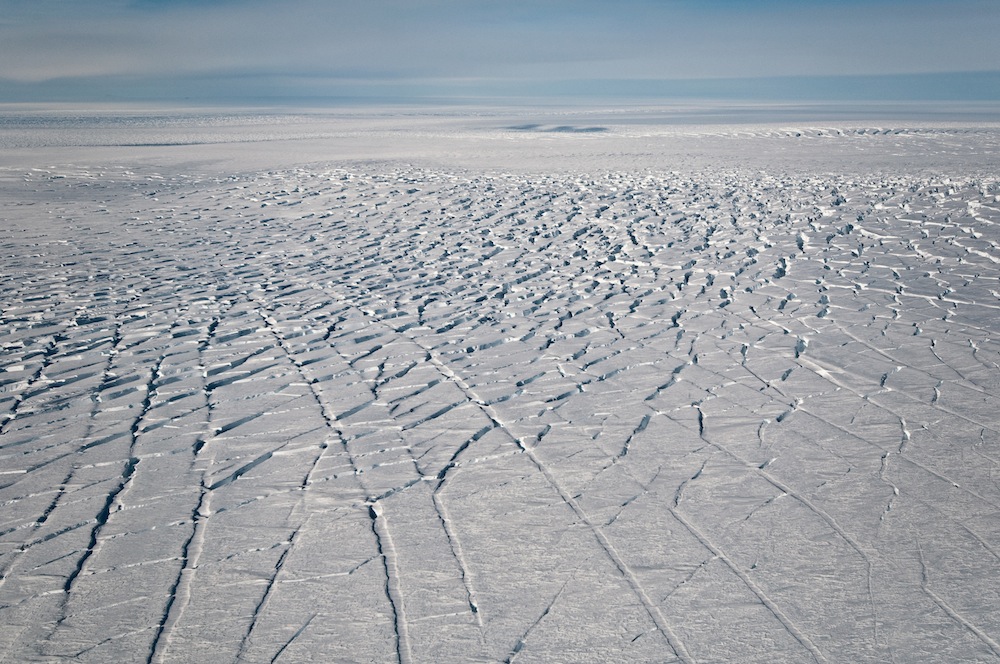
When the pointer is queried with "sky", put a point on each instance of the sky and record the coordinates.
(240, 50)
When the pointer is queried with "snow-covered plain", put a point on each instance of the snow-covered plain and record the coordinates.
(469, 388)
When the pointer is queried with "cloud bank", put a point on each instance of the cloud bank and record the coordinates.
(313, 48)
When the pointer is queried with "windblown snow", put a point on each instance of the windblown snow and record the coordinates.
(701, 409)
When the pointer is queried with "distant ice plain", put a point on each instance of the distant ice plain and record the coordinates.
(496, 385)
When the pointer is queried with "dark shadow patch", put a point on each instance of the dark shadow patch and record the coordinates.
(569, 129)
(560, 129)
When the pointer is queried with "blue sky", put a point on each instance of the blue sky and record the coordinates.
(242, 49)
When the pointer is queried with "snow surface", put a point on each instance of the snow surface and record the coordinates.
(501, 389)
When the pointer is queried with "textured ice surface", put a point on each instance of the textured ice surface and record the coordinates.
(725, 395)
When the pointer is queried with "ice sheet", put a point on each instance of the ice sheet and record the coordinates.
(472, 390)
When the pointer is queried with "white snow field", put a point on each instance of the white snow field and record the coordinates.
(478, 388)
